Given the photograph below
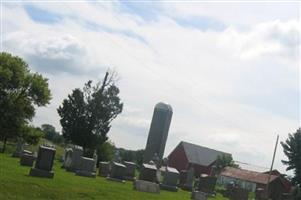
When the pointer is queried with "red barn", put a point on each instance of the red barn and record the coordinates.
(187, 154)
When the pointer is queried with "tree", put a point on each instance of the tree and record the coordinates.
(86, 114)
(20, 92)
(51, 134)
(105, 151)
(31, 134)
(223, 161)
(292, 150)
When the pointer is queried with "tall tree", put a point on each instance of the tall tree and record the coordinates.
(87, 113)
(292, 150)
(20, 92)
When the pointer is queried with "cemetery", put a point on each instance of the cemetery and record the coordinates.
(189, 172)
(150, 100)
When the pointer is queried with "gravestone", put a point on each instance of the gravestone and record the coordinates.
(206, 184)
(117, 172)
(148, 173)
(19, 148)
(260, 194)
(188, 184)
(183, 177)
(146, 186)
(104, 169)
(170, 179)
(44, 163)
(197, 195)
(130, 170)
(158, 132)
(239, 194)
(64, 157)
(73, 158)
(86, 167)
(27, 158)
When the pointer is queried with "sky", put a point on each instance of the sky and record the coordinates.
(230, 70)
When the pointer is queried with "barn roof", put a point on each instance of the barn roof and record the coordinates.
(200, 155)
(246, 175)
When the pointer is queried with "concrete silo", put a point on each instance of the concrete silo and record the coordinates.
(158, 132)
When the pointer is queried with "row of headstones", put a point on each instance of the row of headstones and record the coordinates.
(150, 178)
(75, 161)
(43, 159)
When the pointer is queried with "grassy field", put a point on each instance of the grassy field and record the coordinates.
(16, 184)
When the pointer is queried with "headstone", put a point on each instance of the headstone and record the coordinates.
(44, 163)
(206, 184)
(260, 194)
(73, 158)
(158, 132)
(130, 170)
(148, 173)
(197, 195)
(117, 172)
(86, 167)
(170, 179)
(19, 148)
(146, 186)
(239, 194)
(64, 157)
(188, 185)
(27, 158)
(183, 177)
(104, 169)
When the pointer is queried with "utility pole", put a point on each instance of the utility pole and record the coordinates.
(270, 173)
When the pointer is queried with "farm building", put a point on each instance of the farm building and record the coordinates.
(201, 158)
(252, 180)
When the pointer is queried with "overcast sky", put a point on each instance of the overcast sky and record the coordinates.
(231, 71)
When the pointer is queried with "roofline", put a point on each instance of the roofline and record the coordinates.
(175, 149)
(205, 147)
(271, 180)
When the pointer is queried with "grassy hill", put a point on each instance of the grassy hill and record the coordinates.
(16, 184)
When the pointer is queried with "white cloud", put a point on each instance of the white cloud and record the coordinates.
(230, 90)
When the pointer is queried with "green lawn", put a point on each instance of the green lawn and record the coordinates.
(16, 184)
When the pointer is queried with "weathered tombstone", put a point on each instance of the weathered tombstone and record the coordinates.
(148, 179)
(239, 194)
(170, 179)
(260, 194)
(206, 184)
(197, 195)
(86, 167)
(158, 132)
(148, 173)
(117, 172)
(130, 170)
(188, 185)
(183, 177)
(73, 158)
(27, 158)
(65, 157)
(146, 186)
(44, 163)
(19, 148)
(104, 169)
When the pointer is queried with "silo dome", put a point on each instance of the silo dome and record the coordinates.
(163, 106)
